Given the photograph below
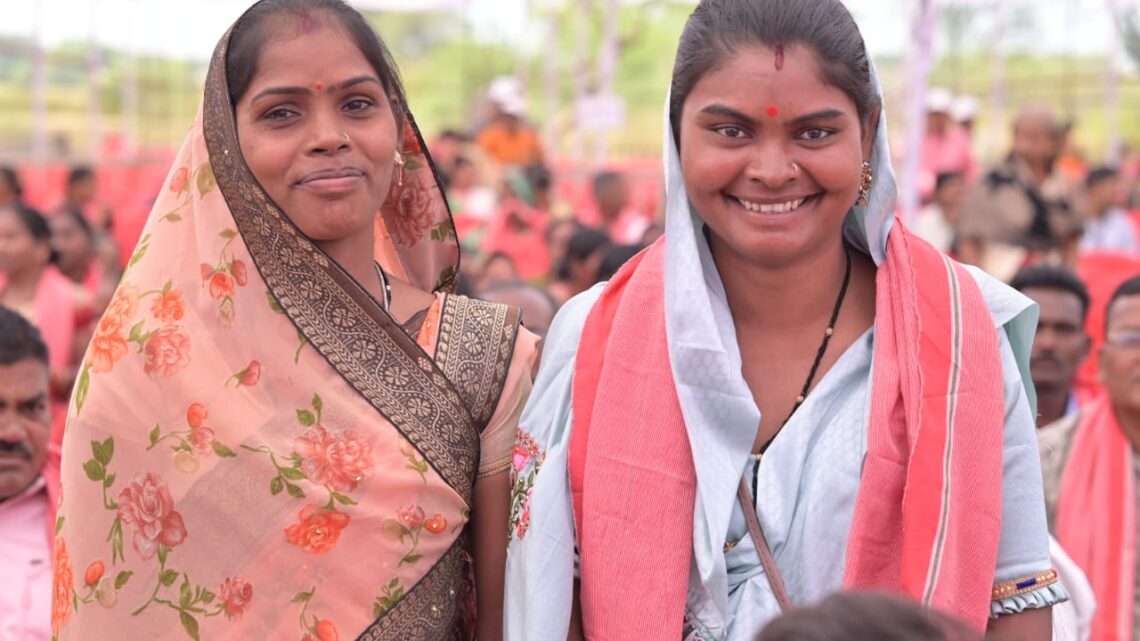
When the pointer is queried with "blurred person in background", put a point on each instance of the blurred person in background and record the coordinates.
(1091, 466)
(31, 285)
(1071, 161)
(578, 269)
(1061, 343)
(1108, 227)
(558, 235)
(945, 147)
(497, 267)
(614, 258)
(79, 199)
(445, 150)
(517, 229)
(472, 202)
(545, 200)
(29, 484)
(537, 306)
(964, 112)
(1022, 211)
(11, 188)
(936, 223)
(611, 201)
(508, 138)
(866, 616)
(74, 244)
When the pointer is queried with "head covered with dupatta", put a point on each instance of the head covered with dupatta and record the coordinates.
(255, 448)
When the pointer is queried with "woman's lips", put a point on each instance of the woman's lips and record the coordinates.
(332, 181)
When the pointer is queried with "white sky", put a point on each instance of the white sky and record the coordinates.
(190, 28)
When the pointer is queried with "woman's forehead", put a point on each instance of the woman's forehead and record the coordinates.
(759, 77)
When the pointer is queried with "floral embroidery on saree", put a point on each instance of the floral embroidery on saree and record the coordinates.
(526, 461)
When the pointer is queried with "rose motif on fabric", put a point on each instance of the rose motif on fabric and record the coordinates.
(108, 344)
(145, 505)
(235, 595)
(166, 351)
(339, 460)
(409, 212)
(63, 582)
(168, 307)
(317, 530)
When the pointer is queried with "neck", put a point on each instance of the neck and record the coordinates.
(1129, 420)
(24, 280)
(77, 271)
(784, 297)
(1051, 404)
(355, 255)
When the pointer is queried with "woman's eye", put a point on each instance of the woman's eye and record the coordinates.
(280, 113)
(359, 104)
(731, 132)
(815, 133)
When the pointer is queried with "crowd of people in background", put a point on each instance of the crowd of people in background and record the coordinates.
(1064, 233)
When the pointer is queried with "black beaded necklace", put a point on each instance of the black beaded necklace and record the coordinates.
(387, 287)
(811, 375)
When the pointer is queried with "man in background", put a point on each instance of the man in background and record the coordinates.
(29, 482)
(1061, 343)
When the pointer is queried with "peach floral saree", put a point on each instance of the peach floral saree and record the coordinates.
(255, 448)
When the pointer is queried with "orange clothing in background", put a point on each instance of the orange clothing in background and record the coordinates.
(518, 147)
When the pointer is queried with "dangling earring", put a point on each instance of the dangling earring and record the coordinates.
(400, 165)
(864, 185)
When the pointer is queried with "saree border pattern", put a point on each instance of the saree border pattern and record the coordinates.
(476, 342)
(346, 326)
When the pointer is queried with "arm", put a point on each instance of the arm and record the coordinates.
(489, 526)
(576, 632)
(1030, 625)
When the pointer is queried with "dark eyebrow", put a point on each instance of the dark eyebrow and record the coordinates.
(38, 398)
(293, 91)
(722, 110)
(823, 114)
(729, 112)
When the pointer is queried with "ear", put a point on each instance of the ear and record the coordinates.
(1086, 347)
(1101, 375)
(869, 130)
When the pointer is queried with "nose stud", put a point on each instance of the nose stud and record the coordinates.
(347, 140)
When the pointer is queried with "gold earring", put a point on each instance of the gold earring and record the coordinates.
(864, 185)
(400, 167)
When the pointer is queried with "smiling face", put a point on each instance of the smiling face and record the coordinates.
(317, 130)
(771, 158)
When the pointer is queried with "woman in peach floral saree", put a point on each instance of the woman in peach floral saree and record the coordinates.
(273, 436)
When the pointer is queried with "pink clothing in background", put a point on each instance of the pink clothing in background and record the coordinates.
(25, 565)
(949, 152)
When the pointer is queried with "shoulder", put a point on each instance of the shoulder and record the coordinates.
(1055, 440)
(1004, 302)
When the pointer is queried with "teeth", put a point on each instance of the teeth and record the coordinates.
(773, 208)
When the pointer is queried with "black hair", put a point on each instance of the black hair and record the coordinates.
(603, 179)
(857, 616)
(13, 180)
(36, 225)
(80, 220)
(539, 177)
(718, 28)
(614, 258)
(1130, 287)
(79, 174)
(583, 244)
(20, 339)
(494, 256)
(555, 224)
(252, 30)
(453, 134)
(1099, 175)
(1054, 278)
(946, 177)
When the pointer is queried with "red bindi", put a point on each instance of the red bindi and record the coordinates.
(779, 56)
(320, 86)
(773, 111)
